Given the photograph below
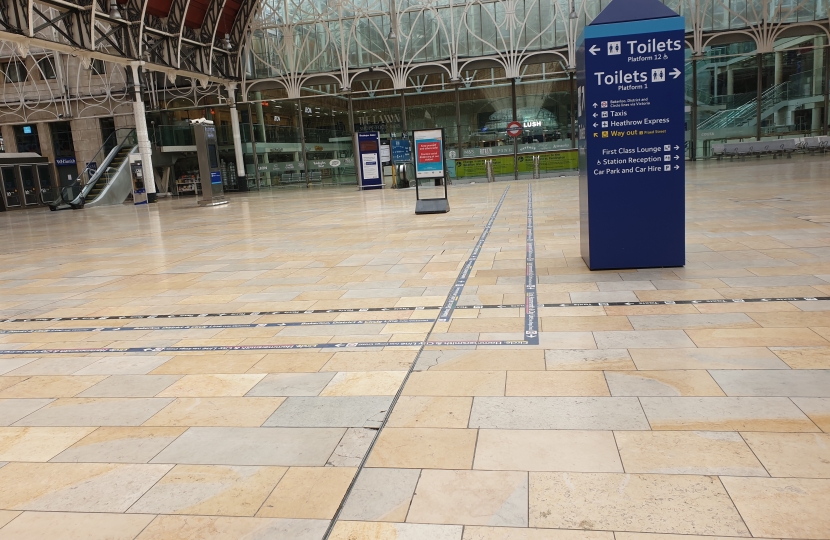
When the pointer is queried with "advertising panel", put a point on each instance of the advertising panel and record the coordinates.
(368, 146)
(429, 153)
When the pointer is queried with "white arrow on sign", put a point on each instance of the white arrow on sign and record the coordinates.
(593, 50)
(595, 124)
(595, 105)
(676, 157)
(595, 115)
(675, 73)
(676, 147)
(676, 167)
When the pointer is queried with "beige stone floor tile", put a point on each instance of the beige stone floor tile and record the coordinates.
(688, 452)
(725, 414)
(291, 362)
(818, 409)
(656, 536)
(217, 411)
(204, 385)
(370, 361)
(75, 487)
(782, 507)
(120, 445)
(790, 319)
(74, 526)
(37, 443)
(501, 324)
(51, 386)
(573, 311)
(455, 383)
(671, 309)
(556, 383)
(588, 359)
(308, 492)
(748, 307)
(6, 516)
(6, 382)
(208, 363)
(584, 324)
(231, 528)
(804, 357)
(823, 331)
(662, 383)
(757, 337)
(371, 530)
(424, 448)
(218, 490)
(801, 455)
(431, 412)
(482, 360)
(364, 383)
(511, 533)
(546, 450)
(471, 498)
(706, 358)
(770, 292)
(678, 294)
(677, 504)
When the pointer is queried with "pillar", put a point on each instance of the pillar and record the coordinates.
(730, 81)
(143, 137)
(260, 126)
(818, 123)
(693, 115)
(241, 177)
(781, 115)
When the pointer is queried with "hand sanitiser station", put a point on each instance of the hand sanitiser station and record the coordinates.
(631, 88)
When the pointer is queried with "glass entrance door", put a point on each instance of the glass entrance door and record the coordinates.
(27, 183)
(11, 193)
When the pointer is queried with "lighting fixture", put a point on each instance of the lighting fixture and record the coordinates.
(226, 43)
(573, 14)
(114, 11)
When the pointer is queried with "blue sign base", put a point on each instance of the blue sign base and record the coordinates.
(631, 89)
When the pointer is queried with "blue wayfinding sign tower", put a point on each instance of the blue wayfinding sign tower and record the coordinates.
(631, 88)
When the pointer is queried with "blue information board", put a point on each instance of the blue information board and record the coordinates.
(368, 159)
(401, 152)
(631, 88)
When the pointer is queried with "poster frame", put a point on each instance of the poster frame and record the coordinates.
(432, 173)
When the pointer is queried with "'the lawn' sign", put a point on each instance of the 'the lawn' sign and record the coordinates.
(631, 87)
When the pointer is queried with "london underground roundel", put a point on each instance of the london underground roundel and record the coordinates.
(514, 129)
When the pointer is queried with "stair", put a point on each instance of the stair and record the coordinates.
(107, 175)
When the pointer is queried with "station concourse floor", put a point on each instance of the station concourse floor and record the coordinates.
(673, 420)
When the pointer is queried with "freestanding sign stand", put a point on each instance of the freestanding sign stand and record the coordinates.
(631, 137)
(370, 170)
(429, 163)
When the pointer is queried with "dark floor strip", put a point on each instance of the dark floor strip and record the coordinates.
(208, 326)
(420, 308)
(531, 313)
(455, 293)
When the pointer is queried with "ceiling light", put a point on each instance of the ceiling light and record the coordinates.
(114, 12)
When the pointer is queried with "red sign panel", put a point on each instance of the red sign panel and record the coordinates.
(514, 129)
(429, 152)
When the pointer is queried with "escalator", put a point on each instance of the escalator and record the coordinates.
(100, 185)
(109, 173)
